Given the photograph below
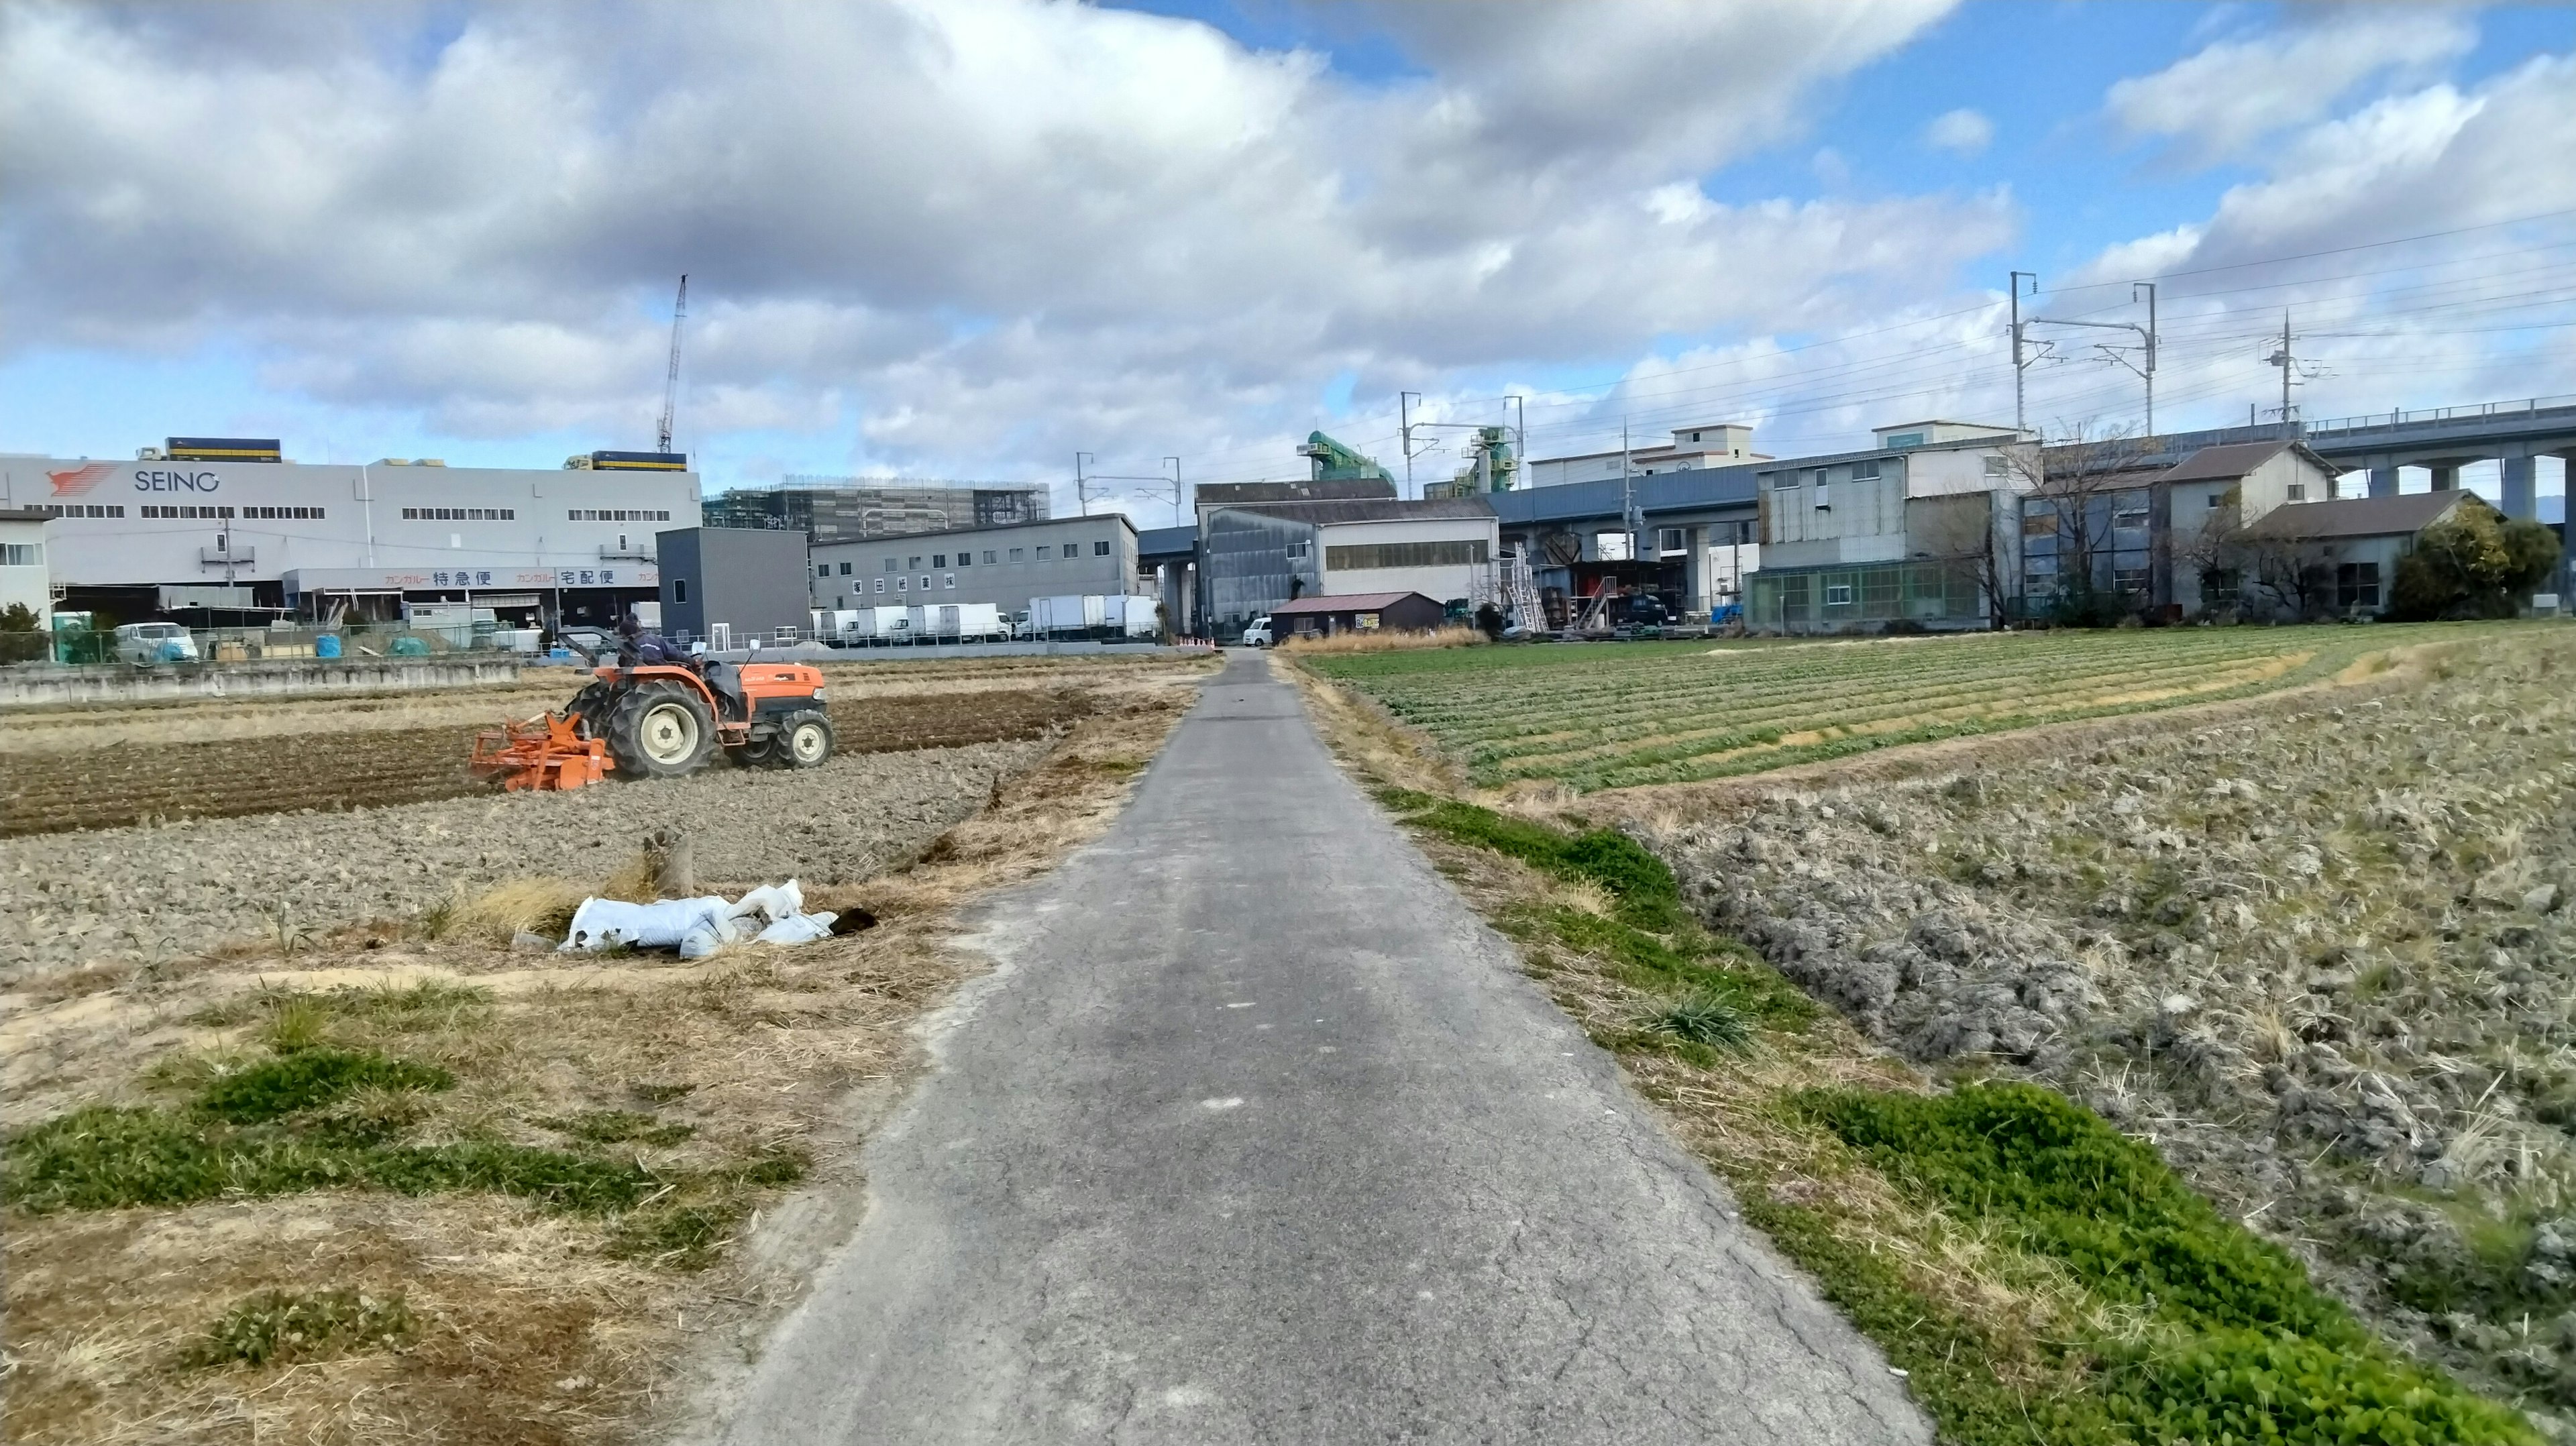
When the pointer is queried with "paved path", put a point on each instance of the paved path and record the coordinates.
(1258, 1135)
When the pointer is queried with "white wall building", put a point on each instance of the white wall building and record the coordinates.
(24, 579)
(1439, 557)
(382, 527)
(1005, 566)
(1708, 444)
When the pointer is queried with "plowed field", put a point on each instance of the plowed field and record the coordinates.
(133, 782)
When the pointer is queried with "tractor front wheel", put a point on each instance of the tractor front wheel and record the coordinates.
(805, 740)
(660, 730)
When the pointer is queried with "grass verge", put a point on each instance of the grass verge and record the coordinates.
(2039, 1276)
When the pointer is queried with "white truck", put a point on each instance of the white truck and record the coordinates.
(1256, 633)
(955, 622)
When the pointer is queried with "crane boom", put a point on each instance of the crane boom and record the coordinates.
(671, 382)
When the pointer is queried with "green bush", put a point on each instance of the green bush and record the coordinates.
(2475, 565)
(277, 1325)
(312, 1076)
(1704, 1019)
(618, 1127)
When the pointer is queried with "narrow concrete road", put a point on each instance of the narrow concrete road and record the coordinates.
(1258, 1135)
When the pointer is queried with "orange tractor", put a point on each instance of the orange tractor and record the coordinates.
(664, 721)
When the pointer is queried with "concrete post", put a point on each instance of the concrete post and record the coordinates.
(2446, 475)
(1695, 569)
(2383, 481)
(2521, 487)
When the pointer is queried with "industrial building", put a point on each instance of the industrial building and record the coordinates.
(1005, 566)
(23, 579)
(1703, 445)
(1257, 556)
(2142, 526)
(730, 586)
(1925, 528)
(846, 509)
(570, 543)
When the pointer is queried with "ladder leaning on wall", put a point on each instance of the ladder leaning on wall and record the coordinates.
(1519, 590)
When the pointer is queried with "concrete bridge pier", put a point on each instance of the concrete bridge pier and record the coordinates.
(2446, 475)
(2522, 487)
(2383, 481)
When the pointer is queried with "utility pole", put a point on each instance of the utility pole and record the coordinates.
(2019, 425)
(1520, 435)
(671, 380)
(2150, 372)
(1627, 492)
(1081, 484)
(1404, 413)
(1176, 489)
(2286, 363)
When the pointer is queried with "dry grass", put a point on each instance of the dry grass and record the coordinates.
(534, 1326)
(1384, 641)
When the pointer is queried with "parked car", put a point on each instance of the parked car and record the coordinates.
(155, 643)
(1256, 634)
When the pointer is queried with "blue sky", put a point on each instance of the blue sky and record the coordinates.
(968, 240)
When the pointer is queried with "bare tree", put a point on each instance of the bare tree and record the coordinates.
(2264, 569)
(2069, 499)
(1961, 532)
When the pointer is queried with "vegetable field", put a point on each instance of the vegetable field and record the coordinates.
(1614, 715)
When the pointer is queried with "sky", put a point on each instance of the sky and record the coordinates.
(970, 239)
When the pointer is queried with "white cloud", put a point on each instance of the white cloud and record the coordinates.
(2227, 97)
(1963, 131)
(990, 231)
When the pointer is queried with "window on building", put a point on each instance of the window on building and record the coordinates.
(913, 566)
(1824, 501)
(2298, 491)
(1044, 552)
(845, 569)
(2357, 585)
(1361, 556)
(679, 589)
(1838, 594)
(22, 554)
(2129, 579)
(1997, 466)
(1018, 553)
(1100, 548)
(1865, 470)
(2039, 521)
(939, 559)
(2129, 510)
(2217, 499)
(988, 557)
(1784, 481)
(889, 567)
(822, 569)
(2222, 585)
(1301, 549)
(1668, 540)
(965, 559)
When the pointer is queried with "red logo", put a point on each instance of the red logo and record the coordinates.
(78, 480)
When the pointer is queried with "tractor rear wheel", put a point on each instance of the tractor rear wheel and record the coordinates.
(660, 729)
(805, 739)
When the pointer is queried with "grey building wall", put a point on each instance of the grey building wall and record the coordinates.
(748, 579)
(1004, 566)
(1250, 562)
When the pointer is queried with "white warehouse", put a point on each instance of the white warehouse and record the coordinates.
(122, 535)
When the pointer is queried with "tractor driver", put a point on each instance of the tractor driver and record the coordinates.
(636, 646)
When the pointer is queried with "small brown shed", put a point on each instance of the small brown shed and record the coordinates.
(1395, 612)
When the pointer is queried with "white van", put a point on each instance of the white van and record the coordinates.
(155, 643)
(1256, 634)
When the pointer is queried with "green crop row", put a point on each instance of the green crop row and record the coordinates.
(1619, 715)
